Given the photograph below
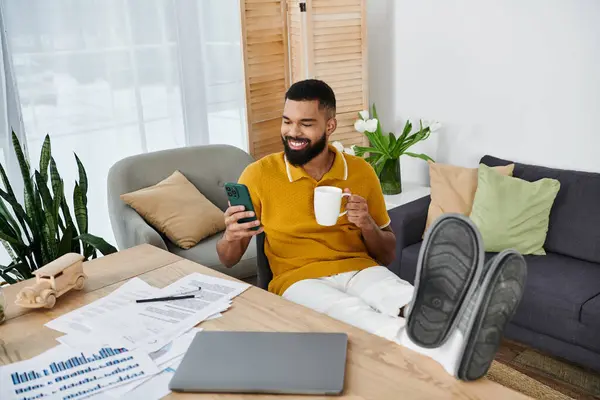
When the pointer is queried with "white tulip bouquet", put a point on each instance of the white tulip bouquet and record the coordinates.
(389, 147)
(385, 150)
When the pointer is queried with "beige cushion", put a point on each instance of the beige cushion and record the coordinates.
(453, 189)
(177, 209)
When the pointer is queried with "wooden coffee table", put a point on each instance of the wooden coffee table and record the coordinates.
(376, 368)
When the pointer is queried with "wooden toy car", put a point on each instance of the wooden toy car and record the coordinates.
(52, 281)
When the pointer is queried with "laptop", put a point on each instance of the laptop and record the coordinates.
(263, 362)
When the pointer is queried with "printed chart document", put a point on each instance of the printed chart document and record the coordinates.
(164, 358)
(64, 373)
(149, 326)
(80, 320)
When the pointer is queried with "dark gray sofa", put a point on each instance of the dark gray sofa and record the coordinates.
(560, 310)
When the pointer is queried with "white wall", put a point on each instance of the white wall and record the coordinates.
(518, 79)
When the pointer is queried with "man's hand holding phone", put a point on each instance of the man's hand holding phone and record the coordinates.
(234, 230)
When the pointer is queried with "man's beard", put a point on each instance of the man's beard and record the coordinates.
(302, 157)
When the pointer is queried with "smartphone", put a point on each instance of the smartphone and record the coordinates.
(239, 195)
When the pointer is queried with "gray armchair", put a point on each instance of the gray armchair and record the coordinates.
(208, 168)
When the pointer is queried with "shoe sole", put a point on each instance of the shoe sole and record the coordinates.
(449, 261)
(497, 307)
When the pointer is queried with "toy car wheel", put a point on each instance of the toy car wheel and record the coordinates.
(50, 301)
(79, 283)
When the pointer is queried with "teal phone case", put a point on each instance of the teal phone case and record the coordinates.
(239, 195)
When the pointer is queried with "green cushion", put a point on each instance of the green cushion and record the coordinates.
(511, 212)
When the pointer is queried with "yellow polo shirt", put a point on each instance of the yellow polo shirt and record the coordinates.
(296, 246)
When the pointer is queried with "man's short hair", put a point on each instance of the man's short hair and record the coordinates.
(313, 89)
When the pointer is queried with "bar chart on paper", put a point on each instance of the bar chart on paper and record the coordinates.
(72, 375)
(55, 367)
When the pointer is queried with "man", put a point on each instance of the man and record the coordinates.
(340, 270)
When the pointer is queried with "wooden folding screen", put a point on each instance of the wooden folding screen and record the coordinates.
(286, 41)
(264, 43)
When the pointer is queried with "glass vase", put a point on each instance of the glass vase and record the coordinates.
(390, 177)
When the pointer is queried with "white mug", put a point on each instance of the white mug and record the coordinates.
(328, 201)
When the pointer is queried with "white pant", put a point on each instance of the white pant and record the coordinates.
(370, 299)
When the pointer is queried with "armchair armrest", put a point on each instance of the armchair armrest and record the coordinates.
(137, 231)
(408, 224)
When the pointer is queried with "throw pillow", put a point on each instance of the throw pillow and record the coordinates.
(178, 210)
(513, 213)
(453, 189)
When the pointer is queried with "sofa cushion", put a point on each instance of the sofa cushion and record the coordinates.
(575, 218)
(512, 213)
(557, 287)
(205, 253)
(590, 312)
(453, 189)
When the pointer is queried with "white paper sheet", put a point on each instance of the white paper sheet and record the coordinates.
(163, 358)
(73, 374)
(80, 320)
(150, 326)
(157, 386)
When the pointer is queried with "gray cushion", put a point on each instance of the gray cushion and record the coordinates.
(557, 285)
(575, 217)
(205, 253)
(590, 312)
(557, 295)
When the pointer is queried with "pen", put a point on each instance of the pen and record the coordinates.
(191, 296)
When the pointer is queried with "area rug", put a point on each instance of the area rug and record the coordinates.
(584, 380)
(513, 379)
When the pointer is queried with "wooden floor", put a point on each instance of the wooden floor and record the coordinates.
(509, 350)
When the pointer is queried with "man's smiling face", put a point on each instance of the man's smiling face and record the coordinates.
(305, 128)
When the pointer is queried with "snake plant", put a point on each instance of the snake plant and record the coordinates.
(43, 230)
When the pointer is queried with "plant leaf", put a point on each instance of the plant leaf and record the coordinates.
(58, 196)
(375, 140)
(26, 175)
(6, 182)
(421, 156)
(18, 208)
(83, 181)
(44, 191)
(405, 133)
(80, 209)
(4, 213)
(392, 141)
(15, 242)
(54, 175)
(76, 247)
(50, 234)
(45, 158)
(7, 278)
(57, 183)
(65, 244)
(6, 218)
(23, 269)
(359, 150)
(98, 243)
(11, 195)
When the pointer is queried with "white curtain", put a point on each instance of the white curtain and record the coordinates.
(112, 78)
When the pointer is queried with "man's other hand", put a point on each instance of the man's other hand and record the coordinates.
(358, 212)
